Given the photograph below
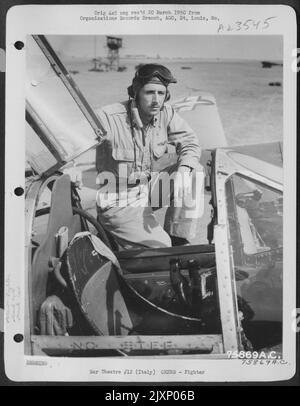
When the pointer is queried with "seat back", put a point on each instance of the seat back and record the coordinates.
(61, 214)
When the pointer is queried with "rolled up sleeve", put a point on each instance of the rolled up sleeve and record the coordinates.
(185, 140)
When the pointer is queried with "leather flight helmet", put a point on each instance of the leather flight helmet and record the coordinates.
(146, 73)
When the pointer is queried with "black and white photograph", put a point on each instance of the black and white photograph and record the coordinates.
(155, 211)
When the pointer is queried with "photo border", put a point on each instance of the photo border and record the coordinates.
(16, 178)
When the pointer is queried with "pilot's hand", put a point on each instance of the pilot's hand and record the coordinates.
(54, 317)
(182, 183)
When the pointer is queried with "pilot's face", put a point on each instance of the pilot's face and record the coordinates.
(151, 98)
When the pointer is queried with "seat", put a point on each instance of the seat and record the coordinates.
(61, 214)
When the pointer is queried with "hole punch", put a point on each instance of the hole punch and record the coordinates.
(19, 191)
(18, 338)
(19, 45)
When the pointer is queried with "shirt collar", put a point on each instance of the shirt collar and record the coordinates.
(155, 120)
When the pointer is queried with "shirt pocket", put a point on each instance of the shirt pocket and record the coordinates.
(124, 162)
(122, 154)
(159, 145)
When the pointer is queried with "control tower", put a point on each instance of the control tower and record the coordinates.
(113, 44)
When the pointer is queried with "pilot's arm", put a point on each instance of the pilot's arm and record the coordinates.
(185, 140)
(181, 135)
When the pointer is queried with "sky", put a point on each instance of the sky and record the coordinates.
(256, 47)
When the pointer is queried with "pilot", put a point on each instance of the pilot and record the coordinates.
(133, 162)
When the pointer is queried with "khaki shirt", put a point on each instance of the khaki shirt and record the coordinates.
(138, 147)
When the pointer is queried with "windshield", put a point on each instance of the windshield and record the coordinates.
(56, 113)
(256, 228)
